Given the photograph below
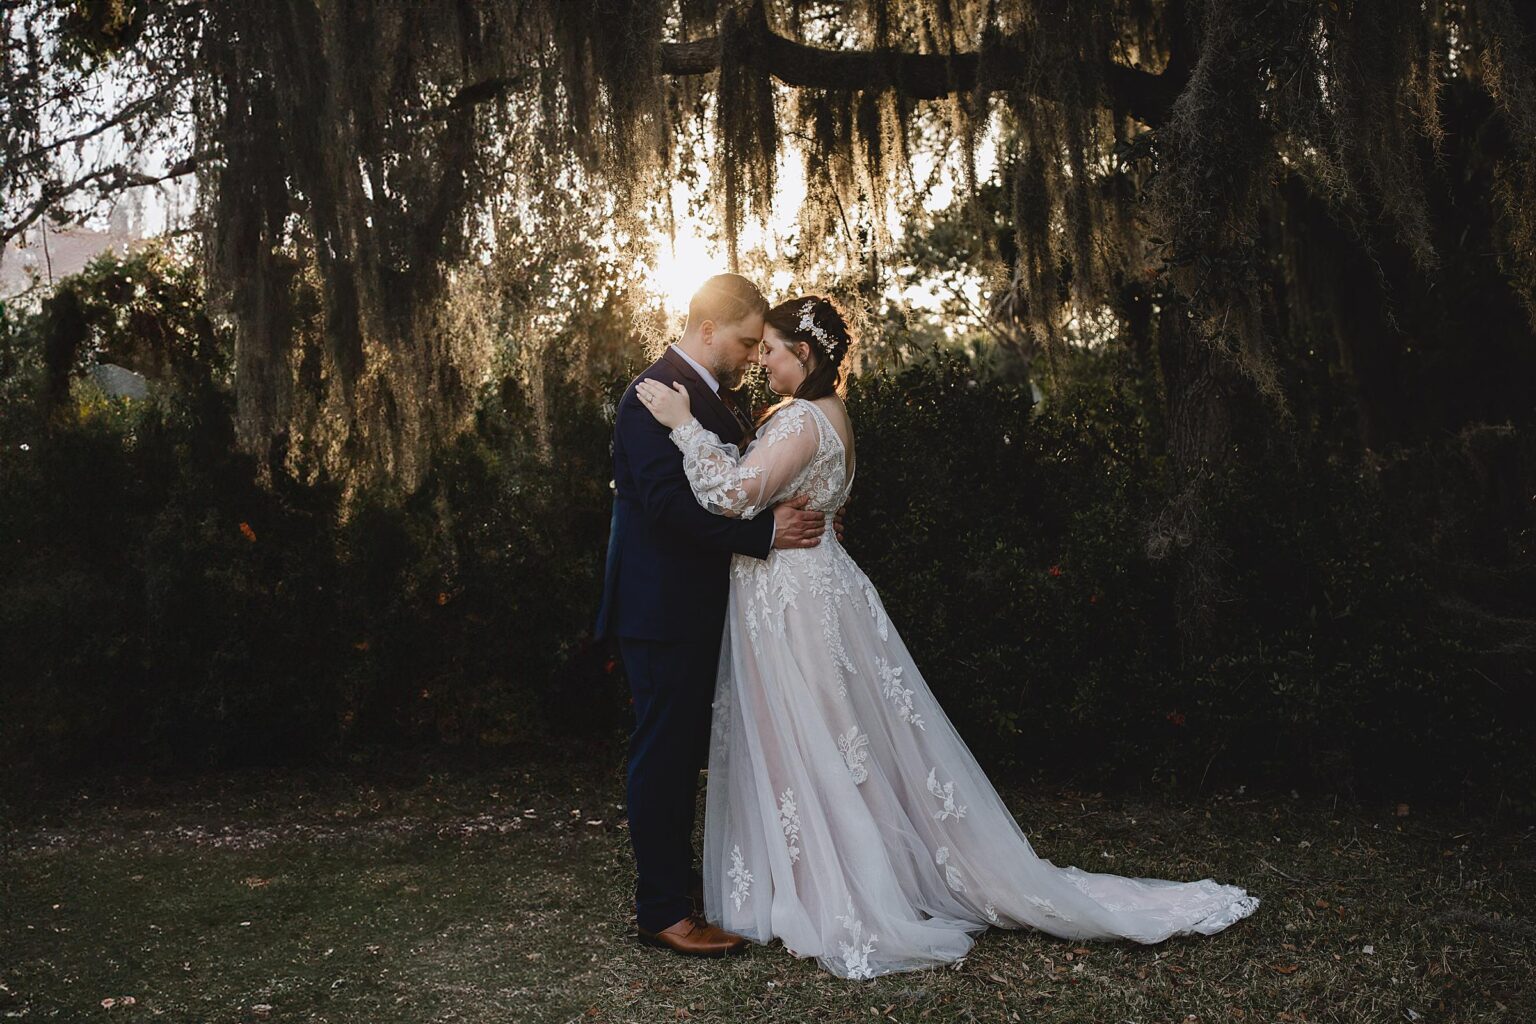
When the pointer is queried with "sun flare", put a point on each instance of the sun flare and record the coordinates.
(683, 262)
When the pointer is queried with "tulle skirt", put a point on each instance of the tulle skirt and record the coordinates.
(846, 816)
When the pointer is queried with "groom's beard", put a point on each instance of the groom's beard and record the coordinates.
(730, 379)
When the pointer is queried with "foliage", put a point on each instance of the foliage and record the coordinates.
(164, 605)
(1011, 549)
(1268, 263)
(1139, 142)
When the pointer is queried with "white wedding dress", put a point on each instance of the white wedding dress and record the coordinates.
(845, 815)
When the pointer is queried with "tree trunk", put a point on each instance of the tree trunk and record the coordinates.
(1201, 386)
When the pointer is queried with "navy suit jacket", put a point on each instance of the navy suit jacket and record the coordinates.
(667, 575)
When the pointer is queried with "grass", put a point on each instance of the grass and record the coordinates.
(505, 896)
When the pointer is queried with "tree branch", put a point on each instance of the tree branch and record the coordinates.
(475, 93)
(121, 178)
(922, 76)
(130, 111)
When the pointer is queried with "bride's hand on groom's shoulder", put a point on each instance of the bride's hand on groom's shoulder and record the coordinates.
(670, 405)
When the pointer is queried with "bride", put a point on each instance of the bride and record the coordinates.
(844, 813)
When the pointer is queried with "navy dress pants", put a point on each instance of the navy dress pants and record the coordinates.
(673, 685)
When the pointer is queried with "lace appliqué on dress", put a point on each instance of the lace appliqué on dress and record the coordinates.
(826, 580)
(899, 696)
(1043, 905)
(717, 471)
(789, 821)
(877, 611)
(788, 420)
(856, 953)
(740, 877)
(855, 748)
(946, 793)
(711, 465)
(774, 586)
(951, 873)
(746, 574)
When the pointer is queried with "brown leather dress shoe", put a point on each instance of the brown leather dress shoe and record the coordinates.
(694, 936)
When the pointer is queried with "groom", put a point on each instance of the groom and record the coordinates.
(664, 598)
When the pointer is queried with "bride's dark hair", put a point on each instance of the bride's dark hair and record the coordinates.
(826, 376)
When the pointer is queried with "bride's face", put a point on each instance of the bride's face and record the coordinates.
(781, 360)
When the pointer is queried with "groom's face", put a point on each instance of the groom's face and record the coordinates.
(734, 347)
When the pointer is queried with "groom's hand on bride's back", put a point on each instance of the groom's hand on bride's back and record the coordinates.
(796, 526)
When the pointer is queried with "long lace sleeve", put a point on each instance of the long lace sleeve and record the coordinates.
(729, 484)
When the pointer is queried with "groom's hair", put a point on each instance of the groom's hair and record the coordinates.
(726, 299)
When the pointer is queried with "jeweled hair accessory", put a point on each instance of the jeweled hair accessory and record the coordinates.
(810, 326)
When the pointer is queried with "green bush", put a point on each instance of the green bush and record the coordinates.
(1011, 549)
(1007, 544)
(158, 606)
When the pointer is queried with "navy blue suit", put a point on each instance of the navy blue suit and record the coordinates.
(664, 599)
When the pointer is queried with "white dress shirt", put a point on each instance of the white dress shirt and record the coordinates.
(709, 378)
